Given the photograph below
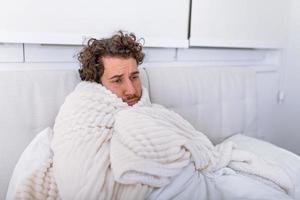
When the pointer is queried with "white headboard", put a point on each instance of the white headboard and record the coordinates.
(217, 101)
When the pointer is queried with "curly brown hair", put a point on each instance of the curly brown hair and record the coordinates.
(124, 45)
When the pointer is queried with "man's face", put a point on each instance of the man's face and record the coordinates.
(121, 76)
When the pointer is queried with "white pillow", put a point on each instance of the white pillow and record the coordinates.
(35, 154)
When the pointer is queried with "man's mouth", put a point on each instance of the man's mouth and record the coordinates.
(131, 102)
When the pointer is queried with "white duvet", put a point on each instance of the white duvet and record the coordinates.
(237, 186)
(287, 160)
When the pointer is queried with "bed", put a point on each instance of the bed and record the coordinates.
(220, 102)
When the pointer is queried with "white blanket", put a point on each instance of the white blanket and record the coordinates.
(103, 149)
(151, 145)
(79, 167)
(81, 145)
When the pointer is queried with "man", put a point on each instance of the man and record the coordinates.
(84, 126)
(114, 63)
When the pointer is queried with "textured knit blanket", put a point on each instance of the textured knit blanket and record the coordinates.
(152, 144)
(104, 149)
(80, 167)
(81, 145)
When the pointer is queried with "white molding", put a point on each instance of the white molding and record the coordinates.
(220, 54)
(11, 53)
(166, 42)
(51, 53)
(259, 68)
(75, 66)
(38, 66)
(42, 38)
(159, 54)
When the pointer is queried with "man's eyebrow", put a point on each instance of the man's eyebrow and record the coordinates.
(120, 75)
(116, 76)
(135, 73)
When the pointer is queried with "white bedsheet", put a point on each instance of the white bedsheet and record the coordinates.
(233, 185)
(285, 159)
(224, 187)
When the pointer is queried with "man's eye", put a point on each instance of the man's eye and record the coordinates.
(134, 77)
(117, 81)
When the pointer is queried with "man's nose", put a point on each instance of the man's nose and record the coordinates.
(129, 88)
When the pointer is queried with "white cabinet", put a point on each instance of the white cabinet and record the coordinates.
(239, 23)
(160, 23)
(214, 23)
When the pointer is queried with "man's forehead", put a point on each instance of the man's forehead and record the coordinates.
(111, 60)
(120, 65)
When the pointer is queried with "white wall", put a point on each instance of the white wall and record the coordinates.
(287, 124)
